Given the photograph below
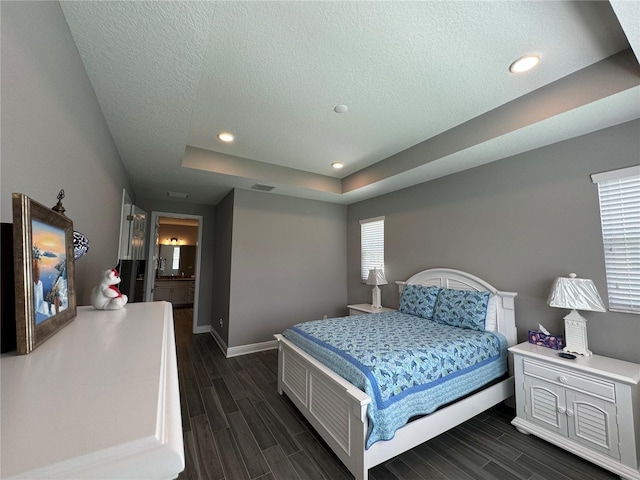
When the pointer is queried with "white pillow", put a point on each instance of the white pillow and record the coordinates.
(491, 321)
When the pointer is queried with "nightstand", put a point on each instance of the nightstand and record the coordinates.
(589, 406)
(361, 308)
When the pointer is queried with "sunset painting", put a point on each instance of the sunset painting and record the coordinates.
(49, 270)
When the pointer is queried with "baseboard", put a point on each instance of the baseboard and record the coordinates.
(202, 329)
(221, 343)
(242, 349)
(251, 348)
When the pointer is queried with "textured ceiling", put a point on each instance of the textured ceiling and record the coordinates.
(426, 84)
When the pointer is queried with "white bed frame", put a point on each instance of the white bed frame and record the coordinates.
(338, 410)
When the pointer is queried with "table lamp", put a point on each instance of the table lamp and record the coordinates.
(376, 277)
(576, 294)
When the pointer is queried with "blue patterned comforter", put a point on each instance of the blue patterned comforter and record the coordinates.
(408, 365)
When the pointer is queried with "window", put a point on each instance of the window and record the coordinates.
(176, 258)
(371, 245)
(619, 193)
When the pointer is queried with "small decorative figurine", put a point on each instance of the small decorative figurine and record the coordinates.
(58, 206)
(106, 296)
(80, 242)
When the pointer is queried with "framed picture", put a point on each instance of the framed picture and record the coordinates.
(44, 272)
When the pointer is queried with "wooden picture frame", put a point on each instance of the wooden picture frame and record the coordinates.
(44, 272)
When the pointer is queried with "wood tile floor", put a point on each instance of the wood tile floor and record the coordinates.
(236, 426)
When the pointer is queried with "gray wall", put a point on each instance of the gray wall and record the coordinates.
(288, 264)
(222, 266)
(54, 134)
(208, 213)
(517, 223)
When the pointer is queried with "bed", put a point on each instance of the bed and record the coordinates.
(340, 411)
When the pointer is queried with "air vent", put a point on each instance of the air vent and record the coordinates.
(262, 188)
(177, 195)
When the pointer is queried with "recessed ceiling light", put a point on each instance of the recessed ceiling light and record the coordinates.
(225, 136)
(337, 165)
(524, 63)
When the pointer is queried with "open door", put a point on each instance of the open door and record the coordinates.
(173, 266)
(154, 254)
(131, 249)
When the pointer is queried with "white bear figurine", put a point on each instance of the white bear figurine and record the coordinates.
(106, 296)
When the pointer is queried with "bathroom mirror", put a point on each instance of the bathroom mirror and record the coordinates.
(177, 261)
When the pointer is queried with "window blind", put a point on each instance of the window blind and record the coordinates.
(371, 245)
(619, 194)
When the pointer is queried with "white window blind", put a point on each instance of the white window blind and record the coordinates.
(619, 193)
(371, 245)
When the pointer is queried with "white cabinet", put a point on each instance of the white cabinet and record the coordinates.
(99, 399)
(162, 292)
(177, 292)
(583, 417)
(589, 406)
(180, 292)
(362, 308)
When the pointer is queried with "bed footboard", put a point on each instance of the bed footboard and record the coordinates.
(338, 411)
(335, 408)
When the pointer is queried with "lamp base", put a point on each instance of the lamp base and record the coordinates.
(575, 332)
(375, 303)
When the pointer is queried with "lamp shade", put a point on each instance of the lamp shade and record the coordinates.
(576, 294)
(376, 277)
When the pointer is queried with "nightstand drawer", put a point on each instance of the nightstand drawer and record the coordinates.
(570, 379)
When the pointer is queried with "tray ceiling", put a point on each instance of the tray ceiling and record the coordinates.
(426, 85)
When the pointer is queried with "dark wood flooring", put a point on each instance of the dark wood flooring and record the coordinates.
(236, 426)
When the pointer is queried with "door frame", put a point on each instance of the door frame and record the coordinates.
(151, 261)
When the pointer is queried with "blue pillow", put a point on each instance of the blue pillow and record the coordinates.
(418, 300)
(461, 308)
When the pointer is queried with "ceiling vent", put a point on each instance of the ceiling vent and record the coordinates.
(262, 188)
(177, 195)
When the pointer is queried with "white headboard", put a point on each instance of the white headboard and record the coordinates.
(456, 279)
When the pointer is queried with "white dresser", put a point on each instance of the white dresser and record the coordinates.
(99, 399)
(589, 406)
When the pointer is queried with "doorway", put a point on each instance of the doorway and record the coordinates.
(173, 267)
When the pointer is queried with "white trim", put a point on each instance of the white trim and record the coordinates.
(242, 349)
(125, 195)
(251, 348)
(150, 275)
(370, 220)
(221, 343)
(615, 174)
(202, 329)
